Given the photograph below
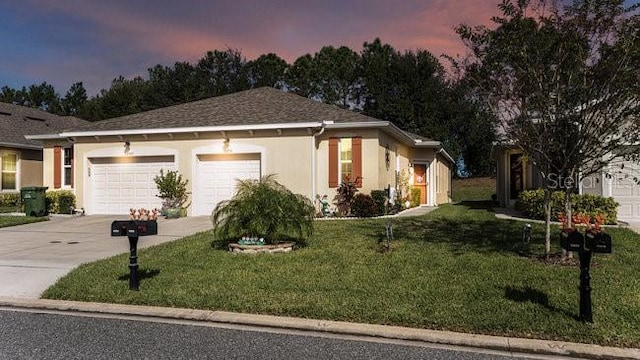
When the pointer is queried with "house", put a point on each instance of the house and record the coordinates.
(617, 181)
(310, 147)
(21, 158)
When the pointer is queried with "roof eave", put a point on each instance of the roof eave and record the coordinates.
(20, 146)
(191, 129)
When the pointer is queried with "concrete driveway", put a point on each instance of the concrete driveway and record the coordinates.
(34, 256)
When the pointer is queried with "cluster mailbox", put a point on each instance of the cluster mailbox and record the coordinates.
(134, 229)
(592, 242)
(585, 245)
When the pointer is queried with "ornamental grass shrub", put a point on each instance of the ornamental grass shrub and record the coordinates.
(263, 208)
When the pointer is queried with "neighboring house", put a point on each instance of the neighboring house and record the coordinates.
(310, 146)
(617, 181)
(21, 159)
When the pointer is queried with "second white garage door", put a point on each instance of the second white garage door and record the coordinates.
(120, 183)
(626, 191)
(216, 175)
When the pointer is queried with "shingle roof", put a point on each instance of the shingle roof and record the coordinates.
(263, 105)
(17, 121)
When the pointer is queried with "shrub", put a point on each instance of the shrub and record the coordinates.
(345, 194)
(263, 208)
(381, 200)
(10, 202)
(414, 200)
(172, 189)
(60, 201)
(531, 203)
(363, 206)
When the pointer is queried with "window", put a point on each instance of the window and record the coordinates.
(9, 171)
(346, 159)
(67, 168)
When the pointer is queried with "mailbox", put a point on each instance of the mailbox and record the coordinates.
(134, 228)
(572, 241)
(598, 242)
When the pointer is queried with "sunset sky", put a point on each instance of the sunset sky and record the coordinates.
(62, 42)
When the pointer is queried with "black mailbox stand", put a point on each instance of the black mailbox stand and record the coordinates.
(586, 314)
(585, 246)
(133, 230)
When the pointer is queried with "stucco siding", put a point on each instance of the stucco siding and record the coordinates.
(287, 156)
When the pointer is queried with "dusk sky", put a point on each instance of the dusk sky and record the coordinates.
(62, 42)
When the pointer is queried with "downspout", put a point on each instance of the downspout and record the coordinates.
(314, 155)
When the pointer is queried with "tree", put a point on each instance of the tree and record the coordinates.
(337, 76)
(267, 70)
(221, 73)
(302, 77)
(564, 84)
(75, 99)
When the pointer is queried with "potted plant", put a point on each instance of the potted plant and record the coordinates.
(172, 189)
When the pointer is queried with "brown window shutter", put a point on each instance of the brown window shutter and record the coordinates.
(333, 162)
(57, 167)
(356, 159)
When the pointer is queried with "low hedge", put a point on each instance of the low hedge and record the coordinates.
(363, 206)
(60, 202)
(531, 203)
(10, 202)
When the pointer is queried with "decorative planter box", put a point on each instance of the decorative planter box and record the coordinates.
(255, 249)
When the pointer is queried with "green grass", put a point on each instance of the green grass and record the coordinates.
(473, 189)
(19, 220)
(457, 268)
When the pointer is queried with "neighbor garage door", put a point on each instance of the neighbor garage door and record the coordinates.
(216, 177)
(626, 191)
(119, 183)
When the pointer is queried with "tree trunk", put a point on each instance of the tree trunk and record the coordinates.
(568, 213)
(547, 222)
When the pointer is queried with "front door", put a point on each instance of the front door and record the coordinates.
(420, 181)
(516, 176)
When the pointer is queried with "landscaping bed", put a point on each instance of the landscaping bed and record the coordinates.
(457, 268)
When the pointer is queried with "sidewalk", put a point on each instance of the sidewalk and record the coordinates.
(516, 345)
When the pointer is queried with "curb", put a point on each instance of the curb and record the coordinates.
(518, 345)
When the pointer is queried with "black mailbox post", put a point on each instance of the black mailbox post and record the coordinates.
(585, 246)
(133, 229)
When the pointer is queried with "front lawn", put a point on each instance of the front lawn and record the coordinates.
(18, 220)
(457, 268)
(473, 189)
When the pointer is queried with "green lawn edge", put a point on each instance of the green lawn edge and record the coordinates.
(9, 220)
(458, 268)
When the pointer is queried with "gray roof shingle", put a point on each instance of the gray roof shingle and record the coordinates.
(263, 105)
(17, 121)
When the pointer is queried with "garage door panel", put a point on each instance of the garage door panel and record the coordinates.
(216, 177)
(626, 192)
(117, 184)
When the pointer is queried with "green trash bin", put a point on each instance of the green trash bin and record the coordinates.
(34, 200)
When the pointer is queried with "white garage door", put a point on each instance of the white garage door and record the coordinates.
(626, 191)
(120, 183)
(216, 177)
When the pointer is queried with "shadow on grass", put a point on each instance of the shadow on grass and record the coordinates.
(534, 296)
(481, 236)
(478, 204)
(142, 274)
